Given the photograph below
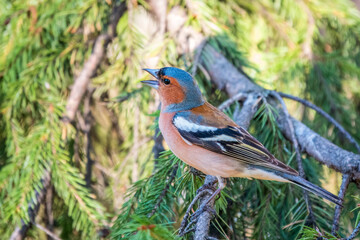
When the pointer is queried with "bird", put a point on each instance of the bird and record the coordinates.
(205, 138)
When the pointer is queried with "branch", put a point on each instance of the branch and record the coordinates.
(325, 115)
(247, 111)
(238, 97)
(47, 231)
(355, 232)
(344, 185)
(81, 83)
(33, 208)
(203, 222)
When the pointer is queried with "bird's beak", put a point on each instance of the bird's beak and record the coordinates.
(152, 83)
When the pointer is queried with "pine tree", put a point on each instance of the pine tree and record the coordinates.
(80, 150)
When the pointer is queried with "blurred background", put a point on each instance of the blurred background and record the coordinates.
(79, 145)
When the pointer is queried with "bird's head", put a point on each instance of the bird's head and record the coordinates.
(177, 89)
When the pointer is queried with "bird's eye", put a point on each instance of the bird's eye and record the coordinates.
(166, 81)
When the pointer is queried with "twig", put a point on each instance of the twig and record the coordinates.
(298, 153)
(325, 115)
(163, 193)
(47, 231)
(355, 232)
(249, 108)
(343, 187)
(237, 97)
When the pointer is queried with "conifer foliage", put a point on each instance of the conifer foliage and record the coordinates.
(81, 156)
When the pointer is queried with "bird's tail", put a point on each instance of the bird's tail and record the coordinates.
(308, 186)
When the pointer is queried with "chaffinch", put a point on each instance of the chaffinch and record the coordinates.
(205, 138)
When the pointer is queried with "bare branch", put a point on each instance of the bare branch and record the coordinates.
(338, 208)
(355, 232)
(325, 115)
(238, 97)
(47, 231)
(203, 222)
(249, 108)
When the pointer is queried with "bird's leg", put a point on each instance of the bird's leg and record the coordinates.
(204, 206)
(207, 188)
(221, 186)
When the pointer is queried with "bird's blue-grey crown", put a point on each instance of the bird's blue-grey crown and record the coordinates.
(192, 92)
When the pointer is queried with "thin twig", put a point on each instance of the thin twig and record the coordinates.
(325, 115)
(355, 232)
(298, 153)
(163, 193)
(237, 97)
(47, 231)
(343, 187)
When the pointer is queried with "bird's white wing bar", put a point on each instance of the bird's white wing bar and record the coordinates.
(186, 125)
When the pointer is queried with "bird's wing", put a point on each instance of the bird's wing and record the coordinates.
(218, 133)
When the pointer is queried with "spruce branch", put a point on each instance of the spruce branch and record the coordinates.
(33, 208)
(164, 191)
(325, 115)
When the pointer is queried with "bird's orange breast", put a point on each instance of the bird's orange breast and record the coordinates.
(204, 160)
